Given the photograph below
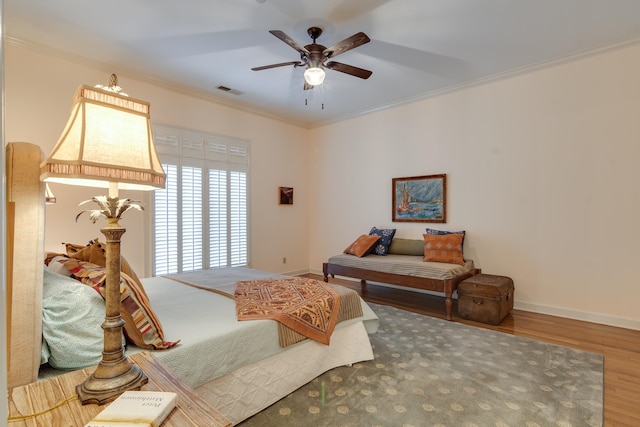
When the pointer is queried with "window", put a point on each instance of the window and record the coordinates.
(200, 217)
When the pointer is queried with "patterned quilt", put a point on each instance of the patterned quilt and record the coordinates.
(306, 306)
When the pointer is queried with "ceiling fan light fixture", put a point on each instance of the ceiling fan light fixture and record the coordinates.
(314, 75)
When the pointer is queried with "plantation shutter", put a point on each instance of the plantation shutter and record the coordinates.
(238, 201)
(192, 218)
(218, 207)
(166, 223)
(200, 218)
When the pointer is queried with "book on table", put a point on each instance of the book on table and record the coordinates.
(136, 409)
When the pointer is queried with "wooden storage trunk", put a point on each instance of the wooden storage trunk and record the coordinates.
(485, 298)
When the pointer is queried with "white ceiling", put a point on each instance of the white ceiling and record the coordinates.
(418, 48)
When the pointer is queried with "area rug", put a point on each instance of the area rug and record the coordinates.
(431, 372)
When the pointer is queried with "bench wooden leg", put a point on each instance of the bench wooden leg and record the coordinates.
(448, 302)
(363, 284)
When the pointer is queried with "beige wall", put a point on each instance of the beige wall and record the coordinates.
(541, 174)
(541, 171)
(39, 88)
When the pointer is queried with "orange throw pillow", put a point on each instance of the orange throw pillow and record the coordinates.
(362, 246)
(443, 248)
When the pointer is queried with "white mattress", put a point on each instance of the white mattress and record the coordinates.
(406, 265)
(213, 342)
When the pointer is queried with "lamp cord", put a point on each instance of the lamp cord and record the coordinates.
(37, 414)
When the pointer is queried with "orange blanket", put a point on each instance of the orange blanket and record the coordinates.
(307, 306)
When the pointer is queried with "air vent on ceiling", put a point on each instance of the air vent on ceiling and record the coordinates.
(228, 89)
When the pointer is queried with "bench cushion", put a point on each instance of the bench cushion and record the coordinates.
(407, 265)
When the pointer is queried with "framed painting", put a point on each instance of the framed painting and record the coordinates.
(285, 195)
(420, 199)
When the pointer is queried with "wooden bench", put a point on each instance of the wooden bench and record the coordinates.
(446, 286)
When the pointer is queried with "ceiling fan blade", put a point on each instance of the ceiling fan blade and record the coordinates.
(347, 44)
(288, 40)
(349, 69)
(281, 64)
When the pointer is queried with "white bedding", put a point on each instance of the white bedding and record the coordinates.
(238, 366)
(213, 342)
(253, 387)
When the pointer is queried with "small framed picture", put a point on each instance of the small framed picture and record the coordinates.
(285, 195)
(420, 199)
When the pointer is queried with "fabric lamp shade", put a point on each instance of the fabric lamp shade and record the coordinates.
(107, 139)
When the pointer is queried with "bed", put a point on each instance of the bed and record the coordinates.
(238, 367)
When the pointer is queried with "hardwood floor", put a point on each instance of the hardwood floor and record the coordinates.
(620, 347)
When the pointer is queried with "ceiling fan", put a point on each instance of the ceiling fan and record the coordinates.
(314, 56)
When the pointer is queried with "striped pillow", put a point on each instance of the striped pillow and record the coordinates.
(141, 325)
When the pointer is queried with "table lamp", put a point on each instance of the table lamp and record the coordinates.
(108, 143)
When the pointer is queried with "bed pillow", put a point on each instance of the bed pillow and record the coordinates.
(72, 317)
(92, 252)
(443, 248)
(44, 352)
(56, 262)
(95, 253)
(386, 236)
(362, 245)
(141, 325)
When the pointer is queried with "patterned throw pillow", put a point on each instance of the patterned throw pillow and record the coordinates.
(141, 325)
(95, 253)
(362, 245)
(442, 233)
(386, 236)
(443, 248)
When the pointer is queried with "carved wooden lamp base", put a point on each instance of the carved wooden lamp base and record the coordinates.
(115, 374)
(102, 390)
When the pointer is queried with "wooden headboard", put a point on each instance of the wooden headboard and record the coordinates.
(25, 258)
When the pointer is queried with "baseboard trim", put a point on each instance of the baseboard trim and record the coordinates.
(600, 318)
(297, 273)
